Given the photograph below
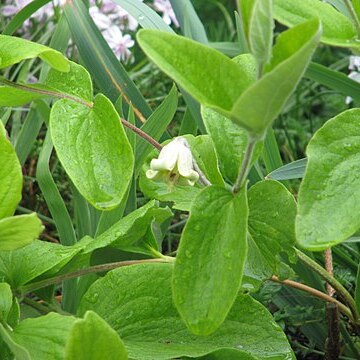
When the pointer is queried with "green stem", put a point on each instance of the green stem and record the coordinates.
(34, 304)
(245, 166)
(59, 95)
(92, 269)
(331, 281)
(354, 16)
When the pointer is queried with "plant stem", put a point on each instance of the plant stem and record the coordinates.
(353, 14)
(50, 93)
(59, 95)
(332, 343)
(34, 304)
(245, 166)
(330, 280)
(92, 269)
(142, 134)
(296, 285)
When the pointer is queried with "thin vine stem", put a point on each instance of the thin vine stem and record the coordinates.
(90, 270)
(330, 280)
(245, 166)
(59, 95)
(296, 285)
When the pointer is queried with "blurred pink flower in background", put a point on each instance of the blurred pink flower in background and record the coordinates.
(119, 43)
(164, 6)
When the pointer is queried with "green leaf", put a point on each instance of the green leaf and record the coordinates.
(94, 150)
(230, 142)
(19, 351)
(92, 338)
(338, 30)
(18, 231)
(203, 151)
(10, 176)
(148, 323)
(6, 299)
(213, 246)
(262, 102)
(20, 266)
(258, 24)
(209, 76)
(14, 49)
(44, 337)
(293, 170)
(126, 232)
(76, 82)
(331, 182)
(272, 212)
(147, 17)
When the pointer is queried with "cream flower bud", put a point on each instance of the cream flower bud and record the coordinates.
(174, 164)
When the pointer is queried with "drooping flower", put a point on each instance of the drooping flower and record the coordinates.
(174, 164)
(119, 43)
(164, 6)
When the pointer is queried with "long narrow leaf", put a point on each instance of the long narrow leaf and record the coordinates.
(105, 68)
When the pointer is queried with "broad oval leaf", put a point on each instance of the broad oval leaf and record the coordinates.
(10, 176)
(272, 211)
(94, 150)
(136, 301)
(209, 76)
(92, 338)
(332, 183)
(14, 49)
(19, 231)
(210, 259)
(10, 96)
(259, 105)
(338, 29)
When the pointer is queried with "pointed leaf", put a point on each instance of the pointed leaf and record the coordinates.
(10, 176)
(14, 49)
(213, 246)
(262, 102)
(293, 170)
(94, 150)
(331, 182)
(92, 338)
(209, 76)
(6, 299)
(18, 231)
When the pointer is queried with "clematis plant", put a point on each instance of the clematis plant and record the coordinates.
(174, 164)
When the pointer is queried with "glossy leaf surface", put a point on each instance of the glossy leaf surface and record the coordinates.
(331, 182)
(94, 150)
(136, 301)
(213, 246)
